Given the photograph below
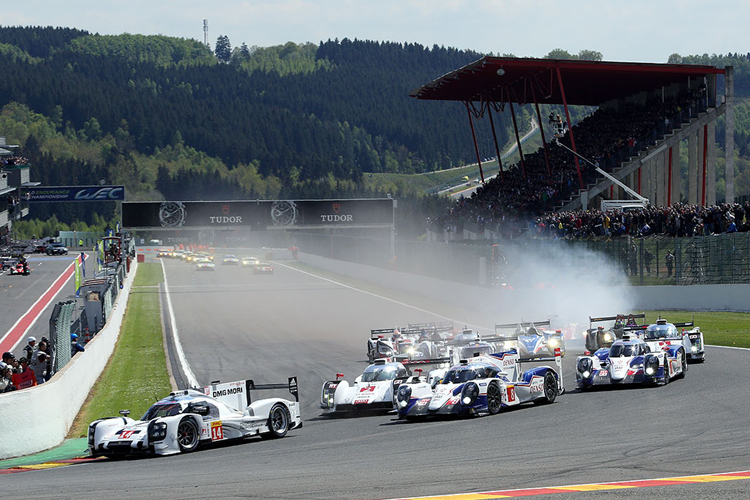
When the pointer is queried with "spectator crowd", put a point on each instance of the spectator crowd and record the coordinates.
(544, 180)
(35, 367)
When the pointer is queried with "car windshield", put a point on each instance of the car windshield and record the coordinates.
(230, 257)
(162, 410)
(657, 332)
(471, 351)
(377, 373)
(626, 350)
(459, 374)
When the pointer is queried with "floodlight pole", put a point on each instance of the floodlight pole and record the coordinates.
(570, 128)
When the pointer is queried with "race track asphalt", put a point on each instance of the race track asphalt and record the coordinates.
(235, 325)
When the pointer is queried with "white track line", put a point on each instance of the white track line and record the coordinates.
(175, 336)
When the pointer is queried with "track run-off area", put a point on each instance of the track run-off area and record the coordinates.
(663, 442)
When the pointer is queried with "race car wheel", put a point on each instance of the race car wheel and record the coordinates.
(550, 389)
(188, 435)
(494, 399)
(278, 421)
(683, 361)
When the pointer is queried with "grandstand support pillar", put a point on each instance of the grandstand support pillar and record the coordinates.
(729, 132)
(541, 131)
(692, 185)
(700, 191)
(675, 184)
(669, 176)
(518, 139)
(497, 147)
(570, 128)
(476, 146)
(711, 164)
(660, 187)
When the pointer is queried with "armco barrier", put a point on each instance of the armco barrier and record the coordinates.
(39, 418)
(525, 302)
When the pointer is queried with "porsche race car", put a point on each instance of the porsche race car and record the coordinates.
(189, 418)
(483, 384)
(631, 361)
(529, 339)
(663, 333)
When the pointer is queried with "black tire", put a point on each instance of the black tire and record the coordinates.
(188, 435)
(278, 421)
(494, 398)
(550, 390)
(684, 363)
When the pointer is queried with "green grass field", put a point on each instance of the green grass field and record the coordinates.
(719, 328)
(136, 374)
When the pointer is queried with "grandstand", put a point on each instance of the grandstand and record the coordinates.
(631, 143)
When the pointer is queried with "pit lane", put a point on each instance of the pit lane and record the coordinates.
(235, 325)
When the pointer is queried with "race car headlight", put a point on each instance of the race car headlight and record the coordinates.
(694, 348)
(607, 337)
(157, 431)
(92, 433)
(326, 400)
(469, 393)
(584, 367)
(651, 365)
(404, 395)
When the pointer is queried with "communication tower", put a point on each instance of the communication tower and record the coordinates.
(205, 32)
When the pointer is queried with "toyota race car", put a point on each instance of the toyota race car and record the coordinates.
(662, 333)
(482, 385)
(631, 361)
(186, 419)
(531, 341)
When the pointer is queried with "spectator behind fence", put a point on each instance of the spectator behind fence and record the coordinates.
(10, 359)
(26, 378)
(29, 348)
(74, 345)
(45, 346)
(39, 366)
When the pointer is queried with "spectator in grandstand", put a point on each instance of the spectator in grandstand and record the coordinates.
(6, 372)
(39, 366)
(10, 359)
(30, 347)
(26, 377)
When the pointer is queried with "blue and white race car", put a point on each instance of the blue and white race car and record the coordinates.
(481, 385)
(631, 360)
(186, 419)
(662, 333)
(531, 340)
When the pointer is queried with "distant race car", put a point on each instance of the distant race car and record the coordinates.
(230, 260)
(263, 268)
(20, 268)
(186, 419)
(530, 339)
(600, 336)
(249, 261)
(662, 333)
(371, 391)
(631, 361)
(56, 249)
(481, 385)
(204, 265)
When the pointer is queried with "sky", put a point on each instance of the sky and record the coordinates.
(631, 30)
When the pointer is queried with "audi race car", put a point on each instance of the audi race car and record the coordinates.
(531, 341)
(204, 265)
(662, 333)
(371, 391)
(597, 337)
(481, 385)
(631, 361)
(249, 261)
(187, 419)
(230, 260)
(263, 268)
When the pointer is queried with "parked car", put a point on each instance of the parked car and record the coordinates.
(56, 249)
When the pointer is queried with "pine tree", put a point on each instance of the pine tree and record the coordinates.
(223, 49)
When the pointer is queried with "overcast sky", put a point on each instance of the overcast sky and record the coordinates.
(622, 30)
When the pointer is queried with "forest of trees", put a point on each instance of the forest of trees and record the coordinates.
(169, 117)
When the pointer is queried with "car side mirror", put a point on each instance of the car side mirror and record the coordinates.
(124, 413)
(200, 409)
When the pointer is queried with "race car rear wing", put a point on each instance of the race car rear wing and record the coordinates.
(684, 324)
(439, 326)
(513, 336)
(381, 332)
(599, 319)
(237, 394)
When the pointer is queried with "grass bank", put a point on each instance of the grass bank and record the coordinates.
(136, 374)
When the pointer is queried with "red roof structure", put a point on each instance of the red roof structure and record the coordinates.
(518, 80)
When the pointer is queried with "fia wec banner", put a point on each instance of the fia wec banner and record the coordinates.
(45, 194)
(258, 215)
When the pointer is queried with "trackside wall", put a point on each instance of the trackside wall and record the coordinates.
(39, 418)
(691, 297)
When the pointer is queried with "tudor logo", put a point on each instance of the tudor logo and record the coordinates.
(336, 208)
(225, 209)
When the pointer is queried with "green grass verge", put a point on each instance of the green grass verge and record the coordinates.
(136, 374)
(719, 328)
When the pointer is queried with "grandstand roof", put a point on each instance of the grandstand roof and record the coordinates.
(508, 79)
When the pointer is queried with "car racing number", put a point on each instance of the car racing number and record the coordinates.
(217, 431)
(126, 434)
(511, 390)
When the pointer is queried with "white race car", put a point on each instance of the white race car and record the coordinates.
(188, 418)
(662, 333)
(373, 390)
